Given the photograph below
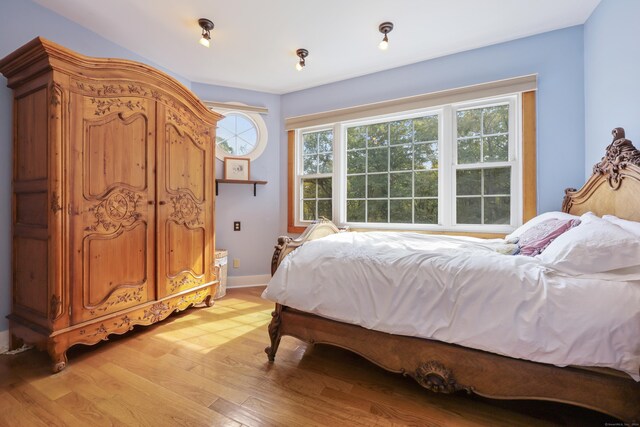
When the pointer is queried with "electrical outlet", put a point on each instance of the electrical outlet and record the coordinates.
(236, 225)
(236, 263)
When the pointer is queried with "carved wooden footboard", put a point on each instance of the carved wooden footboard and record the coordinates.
(614, 188)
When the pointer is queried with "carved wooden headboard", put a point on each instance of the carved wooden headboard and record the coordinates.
(614, 187)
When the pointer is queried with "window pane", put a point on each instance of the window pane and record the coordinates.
(310, 144)
(325, 141)
(309, 210)
(378, 134)
(426, 129)
(469, 151)
(356, 137)
(400, 184)
(426, 156)
(309, 188)
(378, 159)
(495, 148)
(495, 119)
(469, 182)
(401, 158)
(324, 209)
(377, 186)
(497, 210)
(356, 211)
(324, 188)
(236, 134)
(356, 186)
(400, 211)
(497, 181)
(310, 164)
(469, 122)
(325, 163)
(356, 161)
(426, 184)
(469, 210)
(377, 211)
(401, 132)
(426, 211)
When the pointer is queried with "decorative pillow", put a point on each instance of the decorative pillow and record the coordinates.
(534, 240)
(596, 246)
(630, 226)
(537, 220)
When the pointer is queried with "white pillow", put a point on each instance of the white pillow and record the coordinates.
(595, 246)
(630, 226)
(537, 220)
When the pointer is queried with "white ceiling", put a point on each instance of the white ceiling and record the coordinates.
(254, 41)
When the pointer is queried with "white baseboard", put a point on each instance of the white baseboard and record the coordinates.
(4, 341)
(247, 281)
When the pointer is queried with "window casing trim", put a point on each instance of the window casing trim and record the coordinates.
(526, 180)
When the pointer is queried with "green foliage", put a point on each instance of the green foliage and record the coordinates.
(426, 129)
(324, 188)
(497, 210)
(378, 211)
(378, 135)
(356, 211)
(469, 210)
(378, 186)
(495, 148)
(356, 137)
(469, 151)
(400, 211)
(310, 143)
(324, 209)
(469, 182)
(401, 157)
(426, 211)
(497, 181)
(495, 119)
(356, 186)
(426, 183)
(356, 161)
(378, 159)
(400, 184)
(325, 163)
(309, 188)
(426, 156)
(309, 210)
(468, 122)
(401, 132)
(325, 141)
(310, 164)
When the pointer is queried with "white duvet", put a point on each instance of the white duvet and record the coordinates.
(460, 290)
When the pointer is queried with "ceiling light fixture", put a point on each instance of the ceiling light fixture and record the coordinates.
(302, 53)
(385, 28)
(207, 26)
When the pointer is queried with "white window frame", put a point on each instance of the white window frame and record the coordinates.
(261, 134)
(447, 153)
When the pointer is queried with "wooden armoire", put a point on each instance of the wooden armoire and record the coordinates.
(113, 197)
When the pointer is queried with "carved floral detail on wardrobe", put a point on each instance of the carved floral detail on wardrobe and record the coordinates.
(186, 210)
(132, 295)
(153, 314)
(117, 209)
(104, 106)
(183, 281)
(180, 116)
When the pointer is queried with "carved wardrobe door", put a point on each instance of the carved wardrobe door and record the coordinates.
(185, 195)
(111, 190)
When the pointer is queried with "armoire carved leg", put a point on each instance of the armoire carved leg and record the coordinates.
(274, 333)
(209, 301)
(58, 360)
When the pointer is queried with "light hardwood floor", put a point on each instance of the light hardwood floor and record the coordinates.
(206, 366)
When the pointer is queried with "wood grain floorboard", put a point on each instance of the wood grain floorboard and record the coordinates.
(207, 367)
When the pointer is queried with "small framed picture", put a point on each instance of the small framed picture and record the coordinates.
(236, 168)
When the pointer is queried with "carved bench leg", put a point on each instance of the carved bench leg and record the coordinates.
(274, 333)
(58, 356)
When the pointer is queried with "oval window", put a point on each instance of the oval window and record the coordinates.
(240, 134)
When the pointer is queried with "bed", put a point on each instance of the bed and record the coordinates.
(610, 387)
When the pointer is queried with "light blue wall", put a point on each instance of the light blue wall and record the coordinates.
(612, 75)
(260, 215)
(557, 58)
(20, 22)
